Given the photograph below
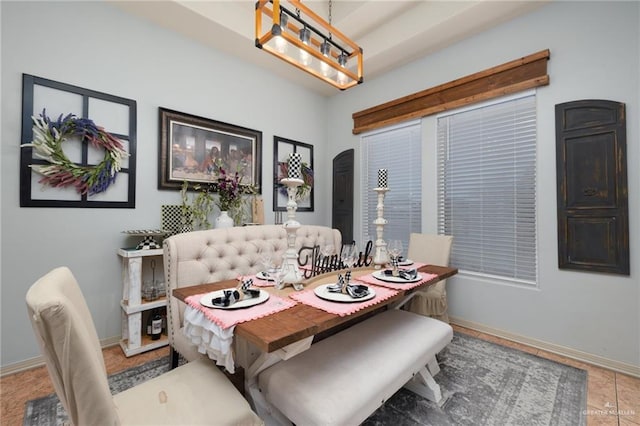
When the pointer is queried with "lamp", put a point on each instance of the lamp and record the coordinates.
(306, 41)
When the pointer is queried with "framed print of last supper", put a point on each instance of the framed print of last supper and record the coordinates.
(195, 149)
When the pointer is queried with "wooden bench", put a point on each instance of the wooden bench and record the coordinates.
(343, 379)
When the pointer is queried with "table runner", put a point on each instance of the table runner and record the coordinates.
(370, 279)
(211, 330)
(308, 297)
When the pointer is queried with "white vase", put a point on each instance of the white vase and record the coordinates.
(224, 220)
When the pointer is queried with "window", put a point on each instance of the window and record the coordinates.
(487, 188)
(397, 149)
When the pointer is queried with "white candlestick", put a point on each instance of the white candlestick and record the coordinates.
(381, 257)
(292, 275)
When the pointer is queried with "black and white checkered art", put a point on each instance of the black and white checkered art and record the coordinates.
(171, 219)
(382, 178)
(295, 166)
(148, 243)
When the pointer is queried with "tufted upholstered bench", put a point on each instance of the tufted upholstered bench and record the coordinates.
(343, 379)
(220, 254)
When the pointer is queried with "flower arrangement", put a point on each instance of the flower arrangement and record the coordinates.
(230, 191)
(304, 190)
(62, 172)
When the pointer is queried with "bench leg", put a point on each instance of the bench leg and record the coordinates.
(423, 384)
(433, 367)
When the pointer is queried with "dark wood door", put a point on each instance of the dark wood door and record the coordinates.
(342, 206)
(593, 217)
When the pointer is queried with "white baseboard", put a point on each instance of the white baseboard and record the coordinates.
(599, 361)
(39, 360)
(620, 367)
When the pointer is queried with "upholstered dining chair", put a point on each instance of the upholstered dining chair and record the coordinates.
(434, 250)
(195, 393)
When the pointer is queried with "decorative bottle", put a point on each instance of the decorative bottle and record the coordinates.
(156, 325)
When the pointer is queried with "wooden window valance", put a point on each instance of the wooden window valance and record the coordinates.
(515, 76)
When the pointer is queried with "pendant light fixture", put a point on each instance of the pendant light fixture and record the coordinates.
(297, 35)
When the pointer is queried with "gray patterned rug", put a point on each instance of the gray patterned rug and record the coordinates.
(482, 384)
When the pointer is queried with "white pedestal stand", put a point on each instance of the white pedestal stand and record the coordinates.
(292, 275)
(381, 257)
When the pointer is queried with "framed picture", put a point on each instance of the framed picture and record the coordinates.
(281, 149)
(195, 149)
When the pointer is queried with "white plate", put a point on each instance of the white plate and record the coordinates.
(205, 300)
(262, 276)
(406, 262)
(391, 279)
(323, 293)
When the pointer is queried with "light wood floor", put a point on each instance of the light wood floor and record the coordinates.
(612, 398)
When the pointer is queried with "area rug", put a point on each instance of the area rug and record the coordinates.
(482, 384)
(487, 384)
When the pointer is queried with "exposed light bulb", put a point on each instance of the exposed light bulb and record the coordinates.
(342, 78)
(305, 58)
(325, 69)
(281, 44)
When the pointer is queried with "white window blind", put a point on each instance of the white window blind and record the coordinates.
(397, 149)
(487, 188)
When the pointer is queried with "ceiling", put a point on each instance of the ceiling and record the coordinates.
(392, 33)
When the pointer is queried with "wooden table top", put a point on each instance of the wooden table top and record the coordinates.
(278, 330)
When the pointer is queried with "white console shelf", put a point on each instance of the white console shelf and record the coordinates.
(135, 266)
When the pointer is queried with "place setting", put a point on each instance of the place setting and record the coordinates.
(395, 276)
(344, 292)
(344, 297)
(230, 306)
(238, 298)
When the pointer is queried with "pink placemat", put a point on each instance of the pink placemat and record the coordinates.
(370, 279)
(308, 297)
(226, 318)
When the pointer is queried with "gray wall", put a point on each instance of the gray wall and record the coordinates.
(97, 46)
(594, 55)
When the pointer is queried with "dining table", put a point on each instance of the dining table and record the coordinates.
(260, 343)
(283, 328)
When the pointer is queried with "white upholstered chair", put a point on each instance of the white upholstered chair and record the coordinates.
(434, 250)
(195, 393)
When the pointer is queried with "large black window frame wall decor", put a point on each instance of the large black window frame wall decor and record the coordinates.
(107, 124)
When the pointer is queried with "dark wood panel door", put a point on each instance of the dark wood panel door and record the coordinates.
(342, 196)
(593, 216)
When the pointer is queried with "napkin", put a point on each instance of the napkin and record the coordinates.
(405, 274)
(356, 291)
